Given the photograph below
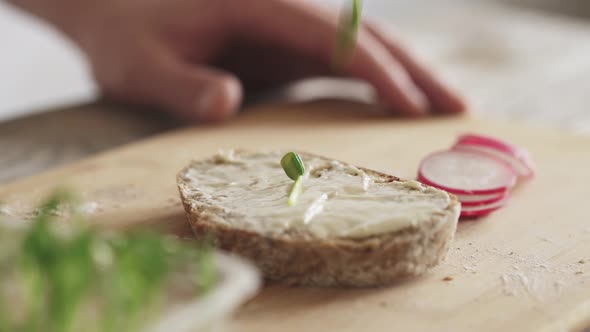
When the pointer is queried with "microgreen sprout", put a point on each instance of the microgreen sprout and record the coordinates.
(347, 35)
(85, 279)
(294, 168)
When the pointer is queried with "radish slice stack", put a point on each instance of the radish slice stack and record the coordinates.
(479, 170)
(518, 158)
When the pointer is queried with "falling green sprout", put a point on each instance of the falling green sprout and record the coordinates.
(347, 36)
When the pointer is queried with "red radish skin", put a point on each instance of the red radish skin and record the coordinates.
(466, 173)
(480, 198)
(476, 214)
(479, 170)
(483, 210)
(483, 202)
(517, 157)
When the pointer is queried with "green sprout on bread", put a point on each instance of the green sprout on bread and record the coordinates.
(294, 168)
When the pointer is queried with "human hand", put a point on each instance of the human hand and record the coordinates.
(195, 57)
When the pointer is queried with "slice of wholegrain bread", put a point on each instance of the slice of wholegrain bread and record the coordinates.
(351, 226)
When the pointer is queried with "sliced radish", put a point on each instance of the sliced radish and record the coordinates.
(518, 158)
(466, 200)
(483, 210)
(466, 172)
(480, 198)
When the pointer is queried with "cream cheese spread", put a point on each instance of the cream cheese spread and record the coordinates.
(337, 200)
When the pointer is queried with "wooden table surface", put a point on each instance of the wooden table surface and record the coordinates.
(524, 268)
(511, 62)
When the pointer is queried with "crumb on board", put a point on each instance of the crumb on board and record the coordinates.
(511, 253)
(448, 278)
(582, 261)
(579, 272)
(545, 239)
(470, 243)
(89, 207)
(383, 304)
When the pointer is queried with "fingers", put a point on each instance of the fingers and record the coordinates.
(197, 93)
(307, 27)
(372, 62)
(262, 66)
(442, 98)
(191, 92)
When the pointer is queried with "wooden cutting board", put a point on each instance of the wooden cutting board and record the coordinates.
(524, 268)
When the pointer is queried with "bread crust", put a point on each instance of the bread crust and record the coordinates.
(300, 260)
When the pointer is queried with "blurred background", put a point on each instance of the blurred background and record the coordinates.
(527, 60)
(512, 41)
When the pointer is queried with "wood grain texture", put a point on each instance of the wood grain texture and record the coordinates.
(30, 145)
(524, 268)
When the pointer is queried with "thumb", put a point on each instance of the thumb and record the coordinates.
(192, 92)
